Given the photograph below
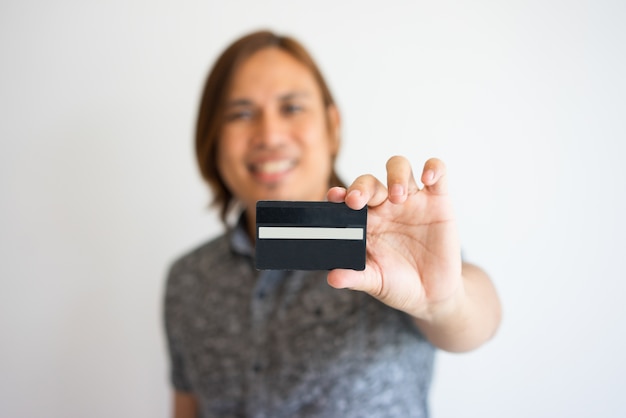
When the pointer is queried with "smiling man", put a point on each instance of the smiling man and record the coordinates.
(330, 344)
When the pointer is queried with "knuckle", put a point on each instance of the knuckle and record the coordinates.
(364, 180)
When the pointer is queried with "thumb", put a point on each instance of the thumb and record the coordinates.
(355, 280)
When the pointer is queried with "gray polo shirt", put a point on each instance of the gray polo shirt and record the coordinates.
(285, 344)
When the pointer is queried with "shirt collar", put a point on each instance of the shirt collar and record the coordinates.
(239, 239)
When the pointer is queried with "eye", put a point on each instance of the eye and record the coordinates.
(291, 108)
(242, 114)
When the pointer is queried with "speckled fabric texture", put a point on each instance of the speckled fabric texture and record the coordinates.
(285, 344)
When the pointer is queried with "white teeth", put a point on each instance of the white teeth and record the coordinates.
(273, 167)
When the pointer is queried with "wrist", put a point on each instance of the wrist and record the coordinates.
(445, 312)
(468, 318)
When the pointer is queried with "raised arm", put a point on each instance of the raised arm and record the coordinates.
(414, 257)
(185, 405)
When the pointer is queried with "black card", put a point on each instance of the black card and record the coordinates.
(309, 236)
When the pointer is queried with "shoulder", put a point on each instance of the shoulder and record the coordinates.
(191, 268)
(207, 264)
(209, 252)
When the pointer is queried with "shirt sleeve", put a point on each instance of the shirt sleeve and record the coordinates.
(173, 318)
(178, 374)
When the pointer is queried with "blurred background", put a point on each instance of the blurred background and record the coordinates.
(524, 100)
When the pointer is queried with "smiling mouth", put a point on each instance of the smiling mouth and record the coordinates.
(272, 168)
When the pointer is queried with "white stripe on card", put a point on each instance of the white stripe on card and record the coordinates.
(293, 232)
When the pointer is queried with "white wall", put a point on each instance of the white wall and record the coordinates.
(525, 101)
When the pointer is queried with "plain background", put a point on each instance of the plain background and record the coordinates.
(524, 100)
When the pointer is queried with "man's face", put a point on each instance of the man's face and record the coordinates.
(278, 139)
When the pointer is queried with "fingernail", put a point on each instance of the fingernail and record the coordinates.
(396, 190)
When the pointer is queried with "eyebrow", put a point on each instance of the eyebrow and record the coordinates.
(239, 102)
(282, 98)
(294, 95)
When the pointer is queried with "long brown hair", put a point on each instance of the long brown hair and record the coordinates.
(211, 112)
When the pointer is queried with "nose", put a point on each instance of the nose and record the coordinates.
(271, 130)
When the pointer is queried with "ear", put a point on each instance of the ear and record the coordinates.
(334, 128)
